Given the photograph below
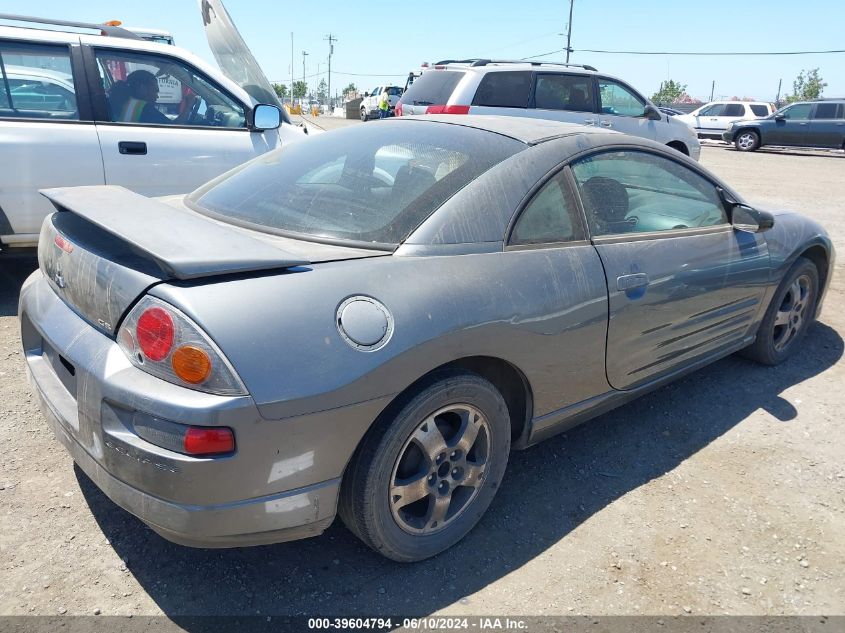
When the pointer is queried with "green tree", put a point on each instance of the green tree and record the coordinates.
(281, 90)
(350, 89)
(300, 88)
(807, 85)
(322, 91)
(669, 92)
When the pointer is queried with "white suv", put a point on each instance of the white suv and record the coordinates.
(713, 118)
(563, 92)
(71, 114)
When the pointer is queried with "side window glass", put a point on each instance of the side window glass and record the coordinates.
(825, 111)
(548, 218)
(637, 192)
(504, 90)
(715, 110)
(148, 89)
(563, 92)
(734, 109)
(37, 82)
(619, 100)
(798, 111)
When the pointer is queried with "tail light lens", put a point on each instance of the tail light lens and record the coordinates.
(398, 109)
(447, 109)
(164, 342)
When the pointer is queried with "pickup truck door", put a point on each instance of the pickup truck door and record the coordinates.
(175, 138)
(48, 139)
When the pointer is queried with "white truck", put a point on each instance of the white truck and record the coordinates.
(369, 106)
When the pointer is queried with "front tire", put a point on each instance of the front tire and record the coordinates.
(364, 116)
(790, 313)
(747, 141)
(423, 477)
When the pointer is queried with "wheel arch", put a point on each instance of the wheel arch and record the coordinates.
(506, 377)
(820, 256)
(748, 128)
(679, 146)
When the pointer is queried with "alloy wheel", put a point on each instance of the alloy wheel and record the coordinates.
(746, 141)
(440, 469)
(792, 313)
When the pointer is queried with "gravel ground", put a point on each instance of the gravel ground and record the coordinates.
(721, 493)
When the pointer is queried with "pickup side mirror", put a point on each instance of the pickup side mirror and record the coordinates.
(652, 113)
(265, 117)
(366, 94)
(744, 218)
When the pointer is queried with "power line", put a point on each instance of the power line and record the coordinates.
(720, 53)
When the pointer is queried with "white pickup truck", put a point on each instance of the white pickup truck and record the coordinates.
(369, 106)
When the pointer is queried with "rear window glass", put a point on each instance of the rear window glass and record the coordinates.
(370, 185)
(760, 110)
(433, 88)
(504, 90)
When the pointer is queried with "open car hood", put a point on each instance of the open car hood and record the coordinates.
(233, 55)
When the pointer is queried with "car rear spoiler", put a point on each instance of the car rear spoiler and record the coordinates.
(184, 244)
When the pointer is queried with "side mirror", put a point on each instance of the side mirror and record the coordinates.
(751, 220)
(265, 117)
(780, 117)
(652, 113)
(744, 218)
(366, 94)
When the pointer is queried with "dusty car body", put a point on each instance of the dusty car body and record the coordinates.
(345, 370)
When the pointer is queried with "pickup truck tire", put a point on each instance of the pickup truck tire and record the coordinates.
(364, 116)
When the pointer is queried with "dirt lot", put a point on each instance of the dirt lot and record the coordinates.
(722, 493)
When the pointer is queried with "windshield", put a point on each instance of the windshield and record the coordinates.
(371, 185)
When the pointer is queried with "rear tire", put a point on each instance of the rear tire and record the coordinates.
(747, 141)
(788, 316)
(423, 476)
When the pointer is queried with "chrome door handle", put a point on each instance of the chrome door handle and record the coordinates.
(628, 282)
(606, 124)
(804, 123)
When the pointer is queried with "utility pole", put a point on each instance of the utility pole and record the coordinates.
(569, 31)
(712, 89)
(303, 67)
(777, 99)
(291, 69)
(331, 39)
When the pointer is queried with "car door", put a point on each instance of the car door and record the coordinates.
(827, 127)
(152, 142)
(704, 116)
(564, 97)
(682, 283)
(791, 126)
(718, 122)
(622, 109)
(48, 139)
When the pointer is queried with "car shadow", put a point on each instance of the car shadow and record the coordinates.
(808, 153)
(548, 491)
(14, 269)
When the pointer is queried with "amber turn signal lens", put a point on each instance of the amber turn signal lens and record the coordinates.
(191, 364)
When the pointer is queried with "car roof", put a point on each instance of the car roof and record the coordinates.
(509, 64)
(524, 129)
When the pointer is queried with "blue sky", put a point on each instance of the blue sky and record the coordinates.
(382, 41)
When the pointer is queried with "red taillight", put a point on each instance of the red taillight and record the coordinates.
(447, 109)
(398, 109)
(154, 333)
(208, 441)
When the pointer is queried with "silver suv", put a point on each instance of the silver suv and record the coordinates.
(562, 92)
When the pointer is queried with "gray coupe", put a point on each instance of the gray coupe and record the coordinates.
(365, 323)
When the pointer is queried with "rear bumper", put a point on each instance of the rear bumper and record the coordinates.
(282, 482)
